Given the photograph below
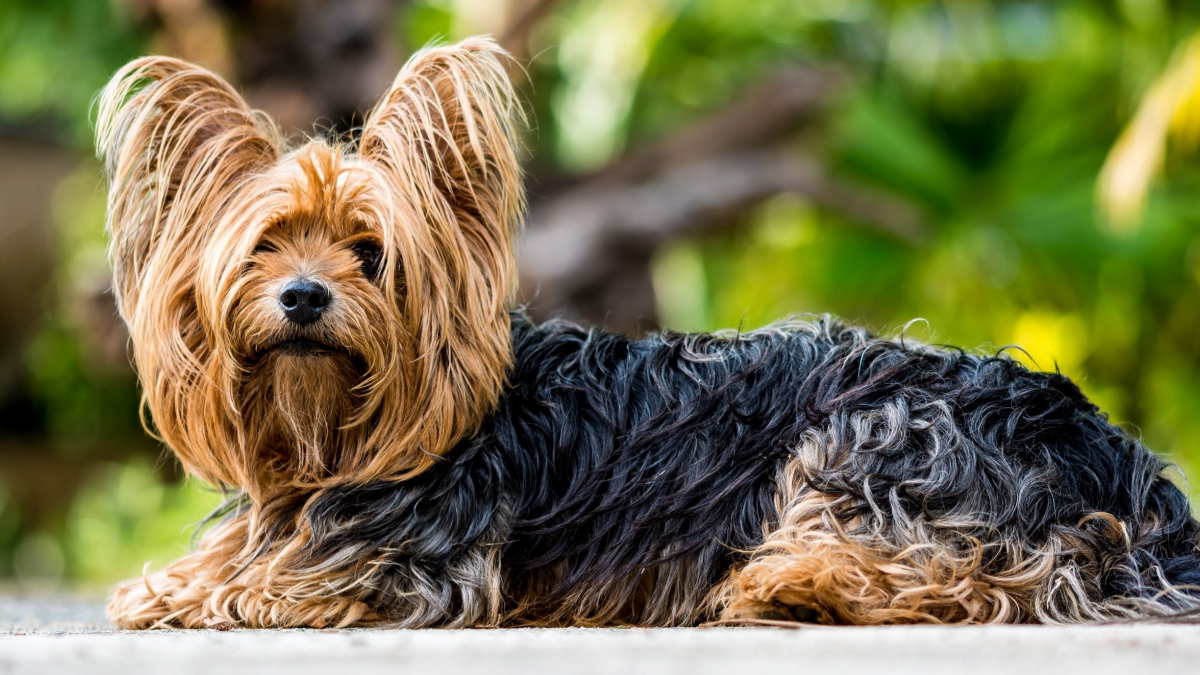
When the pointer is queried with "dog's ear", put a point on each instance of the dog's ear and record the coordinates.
(445, 134)
(177, 144)
(175, 140)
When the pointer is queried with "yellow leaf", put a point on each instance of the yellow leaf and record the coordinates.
(1170, 109)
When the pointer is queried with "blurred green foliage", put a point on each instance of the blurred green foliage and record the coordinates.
(56, 54)
(994, 118)
(77, 400)
(125, 517)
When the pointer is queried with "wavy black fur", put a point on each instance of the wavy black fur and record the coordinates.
(622, 479)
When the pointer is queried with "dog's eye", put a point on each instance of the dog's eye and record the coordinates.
(265, 247)
(370, 255)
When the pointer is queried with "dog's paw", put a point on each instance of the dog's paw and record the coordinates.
(250, 607)
(135, 605)
(156, 601)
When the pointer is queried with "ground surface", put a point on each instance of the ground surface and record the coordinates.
(57, 635)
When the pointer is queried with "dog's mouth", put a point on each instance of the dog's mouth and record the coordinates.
(299, 346)
(306, 347)
(302, 348)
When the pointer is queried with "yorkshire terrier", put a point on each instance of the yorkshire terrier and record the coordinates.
(328, 334)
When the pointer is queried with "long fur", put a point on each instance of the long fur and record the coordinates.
(198, 181)
(439, 460)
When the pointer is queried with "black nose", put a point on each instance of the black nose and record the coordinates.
(303, 301)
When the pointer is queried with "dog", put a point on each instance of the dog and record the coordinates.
(327, 333)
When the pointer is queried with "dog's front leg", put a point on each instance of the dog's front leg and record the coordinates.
(185, 595)
(254, 606)
(171, 597)
(213, 588)
(179, 595)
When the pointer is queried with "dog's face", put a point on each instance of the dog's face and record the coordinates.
(330, 314)
(308, 304)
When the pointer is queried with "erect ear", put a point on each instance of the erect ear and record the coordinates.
(445, 134)
(175, 140)
(177, 144)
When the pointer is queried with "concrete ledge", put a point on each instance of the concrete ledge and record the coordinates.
(59, 636)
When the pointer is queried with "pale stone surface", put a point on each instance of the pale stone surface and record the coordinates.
(48, 635)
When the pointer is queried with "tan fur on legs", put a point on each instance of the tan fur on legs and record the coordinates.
(813, 563)
(817, 559)
(206, 588)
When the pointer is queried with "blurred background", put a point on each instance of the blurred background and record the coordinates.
(1010, 172)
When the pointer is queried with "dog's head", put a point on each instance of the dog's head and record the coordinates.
(327, 314)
